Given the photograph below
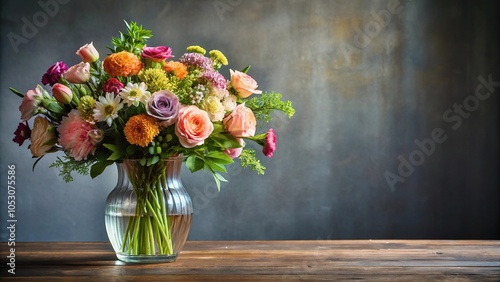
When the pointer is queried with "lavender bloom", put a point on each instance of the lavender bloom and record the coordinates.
(54, 73)
(163, 105)
(218, 80)
(197, 60)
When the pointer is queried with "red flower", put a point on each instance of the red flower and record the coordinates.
(112, 85)
(270, 143)
(22, 133)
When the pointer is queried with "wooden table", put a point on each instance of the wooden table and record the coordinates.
(372, 260)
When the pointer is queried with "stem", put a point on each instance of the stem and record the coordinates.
(148, 232)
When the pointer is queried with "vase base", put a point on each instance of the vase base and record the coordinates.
(146, 259)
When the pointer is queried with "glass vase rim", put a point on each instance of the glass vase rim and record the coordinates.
(172, 158)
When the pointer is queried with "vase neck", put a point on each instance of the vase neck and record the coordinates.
(131, 172)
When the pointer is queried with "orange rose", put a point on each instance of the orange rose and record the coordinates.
(122, 64)
(193, 126)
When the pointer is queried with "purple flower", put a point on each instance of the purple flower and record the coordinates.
(54, 73)
(163, 105)
(197, 60)
(22, 133)
(218, 80)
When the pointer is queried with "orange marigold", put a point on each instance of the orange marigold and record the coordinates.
(141, 130)
(179, 69)
(122, 64)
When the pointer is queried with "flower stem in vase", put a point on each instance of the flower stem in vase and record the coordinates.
(148, 232)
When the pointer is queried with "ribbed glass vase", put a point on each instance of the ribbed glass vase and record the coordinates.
(148, 214)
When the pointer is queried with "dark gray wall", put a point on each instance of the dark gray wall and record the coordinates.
(370, 80)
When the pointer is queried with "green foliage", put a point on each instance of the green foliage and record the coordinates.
(69, 165)
(263, 105)
(248, 159)
(214, 162)
(133, 41)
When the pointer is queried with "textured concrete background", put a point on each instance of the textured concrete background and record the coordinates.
(396, 132)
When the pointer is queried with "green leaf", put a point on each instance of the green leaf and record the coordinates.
(246, 69)
(52, 106)
(130, 150)
(117, 152)
(97, 168)
(16, 92)
(153, 160)
(219, 157)
(194, 163)
(214, 166)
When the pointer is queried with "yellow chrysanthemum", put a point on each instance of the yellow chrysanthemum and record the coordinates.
(86, 108)
(196, 49)
(155, 79)
(217, 55)
(141, 130)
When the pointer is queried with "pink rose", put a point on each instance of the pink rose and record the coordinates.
(193, 126)
(76, 136)
(270, 143)
(240, 122)
(88, 53)
(157, 54)
(244, 84)
(79, 73)
(62, 93)
(235, 152)
(43, 137)
(30, 102)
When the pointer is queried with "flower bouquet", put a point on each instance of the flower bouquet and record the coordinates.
(141, 104)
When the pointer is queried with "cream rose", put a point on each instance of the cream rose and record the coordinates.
(240, 122)
(214, 108)
(244, 84)
(193, 126)
(43, 137)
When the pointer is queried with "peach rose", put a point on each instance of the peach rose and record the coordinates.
(193, 126)
(241, 122)
(43, 137)
(244, 84)
(235, 152)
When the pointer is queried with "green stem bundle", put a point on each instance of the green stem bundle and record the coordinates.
(148, 232)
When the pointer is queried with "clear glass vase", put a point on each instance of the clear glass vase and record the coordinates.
(148, 214)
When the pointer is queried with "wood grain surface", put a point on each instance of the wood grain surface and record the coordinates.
(329, 260)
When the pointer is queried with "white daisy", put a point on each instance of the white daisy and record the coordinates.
(134, 93)
(106, 109)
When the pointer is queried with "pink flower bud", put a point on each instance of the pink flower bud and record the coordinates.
(88, 53)
(62, 93)
(79, 73)
(270, 144)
